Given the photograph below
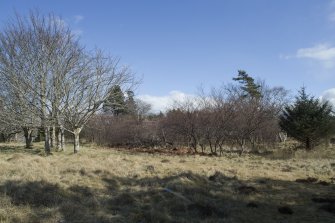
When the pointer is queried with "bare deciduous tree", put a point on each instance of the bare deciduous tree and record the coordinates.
(226, 117)
(87, 90)
(53, 77)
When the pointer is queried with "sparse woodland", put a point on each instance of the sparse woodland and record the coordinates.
(49, 81)
(243, 116)
(240, 152)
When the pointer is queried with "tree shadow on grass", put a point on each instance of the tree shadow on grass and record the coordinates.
(186, 197)
(15, 149)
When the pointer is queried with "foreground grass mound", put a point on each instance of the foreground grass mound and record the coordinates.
(112, 186)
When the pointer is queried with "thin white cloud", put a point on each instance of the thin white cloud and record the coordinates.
(163, 103)
(322, 53)
(329, 95)
(78, 18)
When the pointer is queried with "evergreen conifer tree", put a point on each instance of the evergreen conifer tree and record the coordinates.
(250, 88)
(131, 106)
(115, 103)
(307, 120)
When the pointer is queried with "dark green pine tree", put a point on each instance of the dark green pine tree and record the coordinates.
(250, 88)
(131, 103)
(115, 102)
(307, 120)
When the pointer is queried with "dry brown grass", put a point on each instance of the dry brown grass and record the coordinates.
(101, 185)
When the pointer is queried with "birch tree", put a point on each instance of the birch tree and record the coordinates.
(36, 52)
(87, 90)
(53, 77)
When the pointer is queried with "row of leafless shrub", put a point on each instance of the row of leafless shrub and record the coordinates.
(216, 121)
(109, 130)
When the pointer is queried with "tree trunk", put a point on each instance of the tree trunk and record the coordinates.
(76, 133)
(242, 144)
(53, 137)
(210, 145)
(282, 136)
(194, 144)
(221, 149)
(43, 101)
(28, 137)
(47, 140)
(59, 140)
(62, 141)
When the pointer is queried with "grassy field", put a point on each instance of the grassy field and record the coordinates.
(104, 185)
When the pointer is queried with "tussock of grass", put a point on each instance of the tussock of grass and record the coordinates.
(114, 186)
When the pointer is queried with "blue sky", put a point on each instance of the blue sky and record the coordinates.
(178, 45)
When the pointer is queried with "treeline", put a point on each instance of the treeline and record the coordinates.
(243, 115)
